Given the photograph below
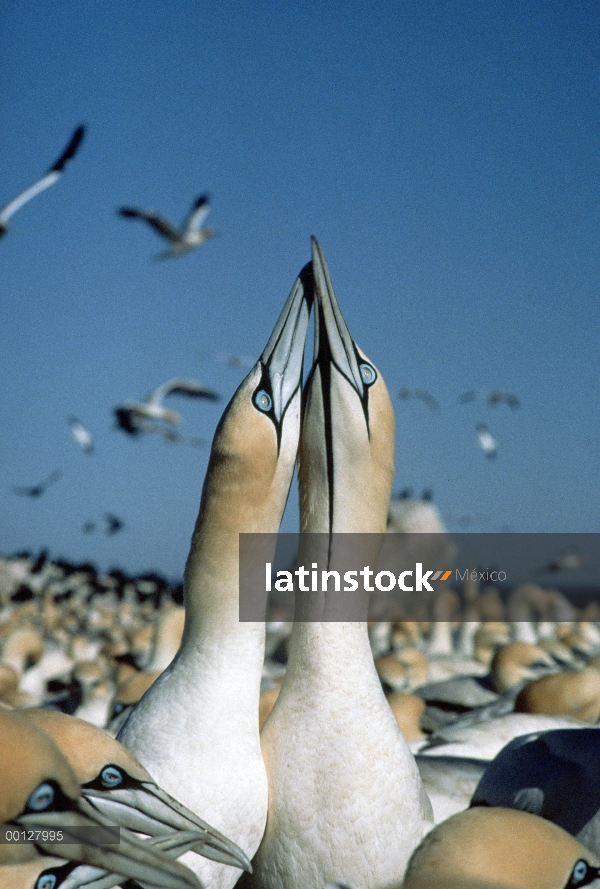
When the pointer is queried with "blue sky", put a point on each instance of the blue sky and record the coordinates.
(446, 155)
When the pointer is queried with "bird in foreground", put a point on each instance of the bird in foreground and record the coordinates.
(196, 728)
(117, 787)
(182, 240)
(497, 848)
(52, 176)
(486, 441)
(404, 394)
(81, 435)
(35, 491)
(493, 397)
(346, 803)
(135, 418)
(39, 789)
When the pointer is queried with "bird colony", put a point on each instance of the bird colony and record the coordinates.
(455, 750)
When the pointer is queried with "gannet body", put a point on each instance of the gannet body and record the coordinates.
(345, 797)
(196, 729)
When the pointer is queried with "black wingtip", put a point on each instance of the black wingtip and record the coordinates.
(127, 212)
(201, 201)
(70, 150)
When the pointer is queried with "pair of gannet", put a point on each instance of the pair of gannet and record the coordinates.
(182, 240)
(40, 789)
(345, 798)
(52, 176)
(138, 417)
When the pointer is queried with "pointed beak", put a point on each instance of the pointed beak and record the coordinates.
(149, 809)
(130, 858)
(333, 342)
(283, 356)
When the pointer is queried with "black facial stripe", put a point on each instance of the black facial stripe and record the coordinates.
(265, 383)
(128, 783)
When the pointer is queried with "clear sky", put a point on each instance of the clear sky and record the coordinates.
(446, 155)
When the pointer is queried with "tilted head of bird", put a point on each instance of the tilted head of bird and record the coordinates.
(346, 454)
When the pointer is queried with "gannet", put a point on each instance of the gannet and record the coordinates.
(52, 176)
(35, 491)
(421, 394)
(115, 785)
(81, 435)
(493, 397)
(39, 788)
(486, 441)
(501, 849)
(196, 728)
(113, 523)
(190, 235)
(136, 417)
(346, 802)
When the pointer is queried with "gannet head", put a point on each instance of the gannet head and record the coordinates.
(39, 790)
(255, 445)
(116, 785)
(346, 454)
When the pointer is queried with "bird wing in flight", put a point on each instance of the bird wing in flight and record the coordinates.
(47, 180)
(198, 213)
(158, 223)
(181, 387)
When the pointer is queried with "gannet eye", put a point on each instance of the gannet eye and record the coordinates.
(46, 881)
(111, 776)
(41, 798)
(582, 874)
(368, 374)
(263, 401)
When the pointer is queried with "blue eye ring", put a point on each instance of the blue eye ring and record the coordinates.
(263, 401)
(46, 881)
(111, 776)
(368, 374)
(41, 798)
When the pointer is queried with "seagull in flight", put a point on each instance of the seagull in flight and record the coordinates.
(494, 397)
(182, 240)
(81, 435)
(35, 491)
(52, 176)
(429, 400)
(487, 442)
(135, 418)
(113, 523)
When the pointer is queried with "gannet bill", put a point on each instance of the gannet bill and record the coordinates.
(346, 803)
(115, 784)
(39, 489)
(493, 397)
(39, 788)
(81, 435)
(190, 235)
(196, 728)
(421, 394)
(46, 181)
(486, 441)
(135, 418)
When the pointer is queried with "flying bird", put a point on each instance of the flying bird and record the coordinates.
(486, 441)
(113, 523)
(232, 360)
(81, 435)
(182, 240)
(404, 394)
(35, 491)
(135, 418)
(493, 397)
(52, 176)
